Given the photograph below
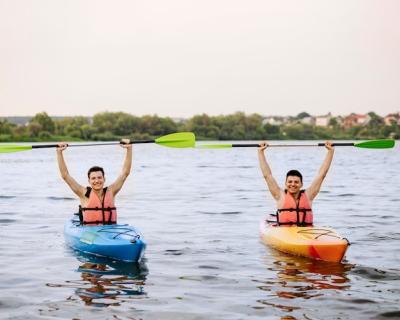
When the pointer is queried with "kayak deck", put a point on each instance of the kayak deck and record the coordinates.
(118, 241)
(312, 242)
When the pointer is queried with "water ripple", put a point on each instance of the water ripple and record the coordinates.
(376, 274)
(224, 212)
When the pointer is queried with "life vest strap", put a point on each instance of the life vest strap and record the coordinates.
(88, 190)
(294, 209)
(98, 222)
(96, 209)
(299, 224)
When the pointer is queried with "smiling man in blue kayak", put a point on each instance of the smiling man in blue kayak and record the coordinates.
(293, 203)
(96, 202)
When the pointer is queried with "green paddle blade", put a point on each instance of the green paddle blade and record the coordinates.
(213, 146)
(8, 148)
(177, 140)
(376, 144)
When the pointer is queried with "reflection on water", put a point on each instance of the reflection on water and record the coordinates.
(106, 282)
(299, 278)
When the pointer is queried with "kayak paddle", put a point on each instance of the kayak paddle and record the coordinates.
(372, 144)
(173, 140)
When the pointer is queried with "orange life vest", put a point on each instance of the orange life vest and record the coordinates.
(291, 213)
(98, 212)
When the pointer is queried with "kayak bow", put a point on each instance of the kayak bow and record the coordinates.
(117, 241)
(310, 242)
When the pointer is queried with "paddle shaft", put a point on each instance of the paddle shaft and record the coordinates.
(89, 144)
(345, 144)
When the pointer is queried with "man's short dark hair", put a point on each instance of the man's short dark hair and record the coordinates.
(294, 173)
(95, 169)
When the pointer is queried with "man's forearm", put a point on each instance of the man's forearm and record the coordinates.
(127, 163)
(62, 165)
(326, 164)
(265, 169)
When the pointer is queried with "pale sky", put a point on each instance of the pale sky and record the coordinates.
(179, 58)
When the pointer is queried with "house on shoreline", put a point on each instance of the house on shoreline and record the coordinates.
(392, 118)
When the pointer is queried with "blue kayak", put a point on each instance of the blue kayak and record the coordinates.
(117, 241)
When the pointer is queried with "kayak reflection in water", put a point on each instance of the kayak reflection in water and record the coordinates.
(96, 202)
(108, 283)
(294, 203)
(299, 280)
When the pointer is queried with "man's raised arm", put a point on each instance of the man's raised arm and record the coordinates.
(75, 186)
(315, 186)
(273, 186)
(126, 169)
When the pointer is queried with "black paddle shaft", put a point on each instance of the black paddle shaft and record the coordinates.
(45, 146)
(342, 144)
(244, 145)
(90, 144)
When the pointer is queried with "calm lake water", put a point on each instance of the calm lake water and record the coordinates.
(199, 211)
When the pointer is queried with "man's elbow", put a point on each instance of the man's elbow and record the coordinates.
(125, 175)
(65, 176)
(267, 176)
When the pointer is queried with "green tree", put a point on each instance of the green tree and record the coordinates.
(375, 121)
(333, 122)
(302, 115)
(156, 126)
(105, 122)
(199, 125)
(294, 131)
(44, 121)
(6, 127)
(20, 132)
(76, 127)
(272, 132)
(253, 127)
(34, 129)
(126, 124)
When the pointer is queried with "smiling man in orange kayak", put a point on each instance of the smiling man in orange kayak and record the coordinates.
(96, 202)
(293, 203)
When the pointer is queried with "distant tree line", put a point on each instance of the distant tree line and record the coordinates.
(238, 126)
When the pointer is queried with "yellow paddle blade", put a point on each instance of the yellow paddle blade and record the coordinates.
(8, 148)
(177, 140)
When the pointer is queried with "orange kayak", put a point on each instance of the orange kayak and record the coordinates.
(311, 242)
